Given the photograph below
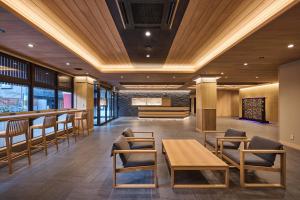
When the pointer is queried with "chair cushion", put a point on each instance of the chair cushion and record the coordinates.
(235, 133)
(212, 142)
(141, 145)
(250, 158)
(140, 159)
(121, 144)
(263, 143)
(127, 132)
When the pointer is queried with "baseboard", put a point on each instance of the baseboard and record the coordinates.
(291, 145)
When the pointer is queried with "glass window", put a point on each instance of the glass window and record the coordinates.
(13, 98)
(64, 100)
(103, 105)
(43, 99)
(109, 106)
(96, 105)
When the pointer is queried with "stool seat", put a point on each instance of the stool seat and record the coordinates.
(2, 134)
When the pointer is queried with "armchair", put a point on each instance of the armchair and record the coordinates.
(133, 160)
(231, 139)
(259, 155)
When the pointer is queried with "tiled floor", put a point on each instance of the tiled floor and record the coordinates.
(84, 170)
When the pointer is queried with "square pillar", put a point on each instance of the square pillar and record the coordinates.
(206, 100)
(84, 96)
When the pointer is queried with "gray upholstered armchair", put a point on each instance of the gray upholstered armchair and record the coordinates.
(133, 160)
(260, 154)
(213, 141)
(137, 141)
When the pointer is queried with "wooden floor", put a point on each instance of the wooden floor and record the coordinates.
(84, 170)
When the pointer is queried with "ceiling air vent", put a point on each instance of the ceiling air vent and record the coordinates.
(147, 14)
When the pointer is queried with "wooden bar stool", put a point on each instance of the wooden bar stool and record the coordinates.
(80, 119)
(15, 128)
(70, 119)
(48, 122)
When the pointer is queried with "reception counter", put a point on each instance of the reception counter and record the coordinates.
(163, 112)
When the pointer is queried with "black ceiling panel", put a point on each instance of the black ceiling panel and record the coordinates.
(161, 17)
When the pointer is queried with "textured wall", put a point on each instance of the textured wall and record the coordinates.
(126, 109)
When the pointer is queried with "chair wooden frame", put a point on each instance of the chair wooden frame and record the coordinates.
(242, 167)
(67, 134)
(218, 140)
(45, 142)
(15, 130)
(137, 168)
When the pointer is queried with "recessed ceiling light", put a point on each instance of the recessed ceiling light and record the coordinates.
(147, 76)
(256, 77)
(147, 33)
(68, 63)
(291, 46)
(30, 45)
(121, 77)
(245, 64)
(148, 55)
(222, 73)
(174, 77)
(226, 77)
(86, 73)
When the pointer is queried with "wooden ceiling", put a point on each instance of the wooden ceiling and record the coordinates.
(264, 51)
(91, 23)
(207, 25)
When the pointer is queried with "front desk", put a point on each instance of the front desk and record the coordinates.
(163, 112)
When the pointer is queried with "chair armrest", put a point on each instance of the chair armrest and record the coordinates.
(144, 138)
(139, 140)
(151, 132)
(263, 151)
(134, 151)
(233, 139)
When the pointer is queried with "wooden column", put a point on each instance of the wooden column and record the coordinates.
(84, 96)
(206, 100)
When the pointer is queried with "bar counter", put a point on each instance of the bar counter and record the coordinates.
(36, 114)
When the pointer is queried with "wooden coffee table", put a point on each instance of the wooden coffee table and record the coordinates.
(189, 154)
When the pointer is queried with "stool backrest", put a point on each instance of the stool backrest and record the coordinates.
(70, 117)
(17, 127)
(49, 121)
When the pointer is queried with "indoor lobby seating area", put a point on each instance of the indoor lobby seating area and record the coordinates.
(149, 99)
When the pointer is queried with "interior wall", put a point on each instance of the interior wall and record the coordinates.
(270, 92)
(289, 106)
(227, 103)
(174, 98)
